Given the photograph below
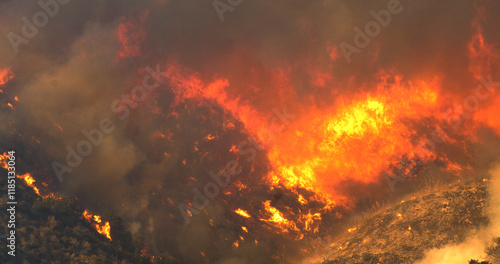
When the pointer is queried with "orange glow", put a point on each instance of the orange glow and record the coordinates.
(104, 229)
(277, 219)
(242, 213)
(309, 220)
(5, 75)
(27, 178)
(131, 34)
(4, 159)
(482, 55)
(489, 115)
(87, 215)
(356, 140)
(301, 199)
(101, 228)
(353, 139)
(97, 218)
(59, 127)
(30, 181)
(189, 85)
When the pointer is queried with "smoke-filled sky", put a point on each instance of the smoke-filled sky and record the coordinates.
(222, 81)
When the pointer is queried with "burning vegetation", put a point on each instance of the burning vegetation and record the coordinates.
(221, 142)
(102, 228)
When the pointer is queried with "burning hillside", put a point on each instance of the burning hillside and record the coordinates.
(240, 132)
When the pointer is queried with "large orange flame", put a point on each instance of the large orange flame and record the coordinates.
(355, 140)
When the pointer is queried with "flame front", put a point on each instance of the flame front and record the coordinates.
(356, 140)
(28, 179)
(100, 227)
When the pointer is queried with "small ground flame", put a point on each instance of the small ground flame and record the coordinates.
(242, 213)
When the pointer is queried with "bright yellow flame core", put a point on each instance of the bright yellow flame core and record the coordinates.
(356, 140)
(103, 229)
(242, 213)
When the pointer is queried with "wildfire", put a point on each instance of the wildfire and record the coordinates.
(187, 84)
(28, 179)
(482, 55)
(277, 218)
(4, 159)
(302, 200)
(242, 213)
(130, 35)
(87, 215)
(5, 75)
(309, 220)
(101, 228)
(354, 141)
(30, 182)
